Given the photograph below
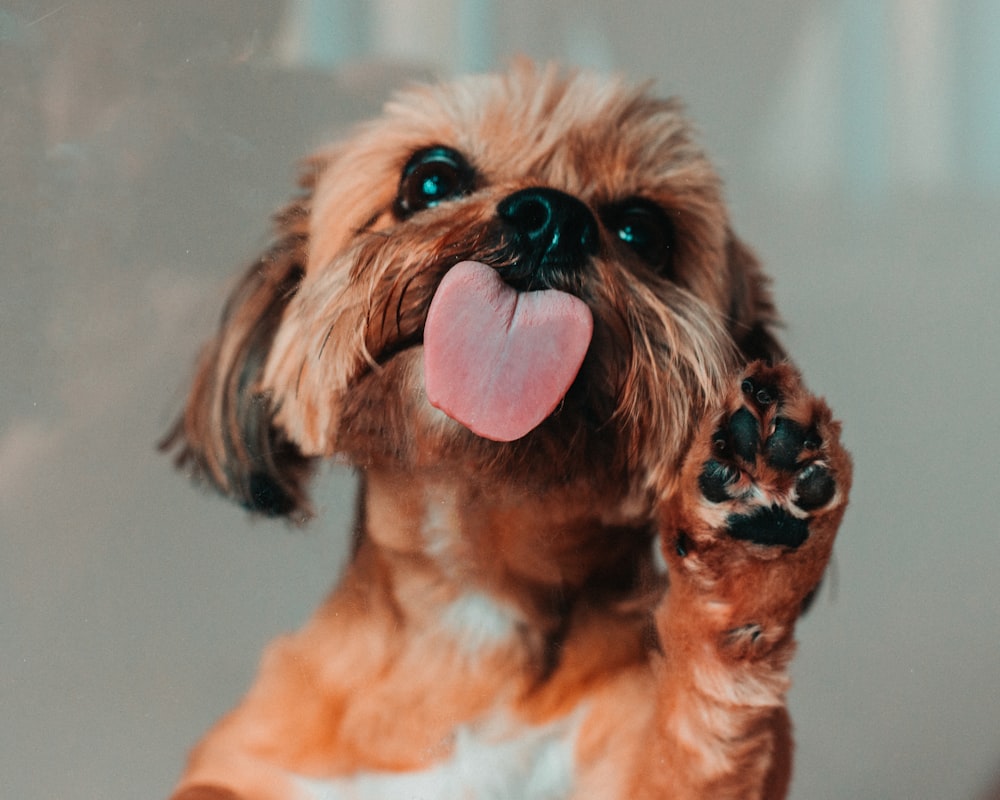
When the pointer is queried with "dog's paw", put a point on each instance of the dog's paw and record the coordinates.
(772, 471)
(763, 490)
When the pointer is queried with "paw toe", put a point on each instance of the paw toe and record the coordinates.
(744, 434)
(715, 480)
(786, 443)
(761, 392)
(814, 487)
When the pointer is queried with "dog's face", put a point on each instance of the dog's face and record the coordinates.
(574, 184)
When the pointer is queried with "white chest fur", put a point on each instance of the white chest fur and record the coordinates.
(490, 761)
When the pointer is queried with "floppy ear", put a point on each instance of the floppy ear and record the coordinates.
(752, 316)
(226, 435)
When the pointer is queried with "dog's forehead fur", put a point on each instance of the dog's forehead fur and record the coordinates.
(583, 131)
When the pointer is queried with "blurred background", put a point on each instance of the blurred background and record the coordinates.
(142, 147)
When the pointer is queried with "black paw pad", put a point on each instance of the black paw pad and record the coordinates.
(784, 446)
(768, 526)
(761, 393)
(744, 434)
(715, 479)
(814, 488)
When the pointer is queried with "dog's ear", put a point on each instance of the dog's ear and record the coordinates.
(752, 314)
(226, 434)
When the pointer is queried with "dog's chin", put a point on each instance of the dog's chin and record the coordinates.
(387, 421)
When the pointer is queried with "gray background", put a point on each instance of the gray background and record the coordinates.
(143, 145)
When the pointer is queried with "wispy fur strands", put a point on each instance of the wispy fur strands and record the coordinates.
(226, 435)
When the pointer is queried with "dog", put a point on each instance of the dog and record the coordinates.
(595, 496)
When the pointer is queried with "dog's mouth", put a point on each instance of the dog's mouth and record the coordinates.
(498, 360)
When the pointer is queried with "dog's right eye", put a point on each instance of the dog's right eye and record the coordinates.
(430, 177)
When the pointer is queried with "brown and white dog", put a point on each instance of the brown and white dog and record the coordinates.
(514, 303)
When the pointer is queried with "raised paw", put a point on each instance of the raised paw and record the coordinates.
(768, 467)
(763, 490)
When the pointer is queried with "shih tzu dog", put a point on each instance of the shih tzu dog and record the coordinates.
(595, 497)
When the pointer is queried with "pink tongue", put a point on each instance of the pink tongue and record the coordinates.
(497, 360)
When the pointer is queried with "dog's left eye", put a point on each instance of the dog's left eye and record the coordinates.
(646, 229)
(432, 176)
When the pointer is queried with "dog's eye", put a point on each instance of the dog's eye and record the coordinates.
(646, 229)
(432, 176)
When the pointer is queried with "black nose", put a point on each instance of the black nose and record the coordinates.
(549, 230)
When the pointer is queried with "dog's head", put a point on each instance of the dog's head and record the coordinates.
(573, 199)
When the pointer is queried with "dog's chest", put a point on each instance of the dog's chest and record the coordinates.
(491, 760)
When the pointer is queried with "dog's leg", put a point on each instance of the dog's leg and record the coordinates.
(746, 540)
